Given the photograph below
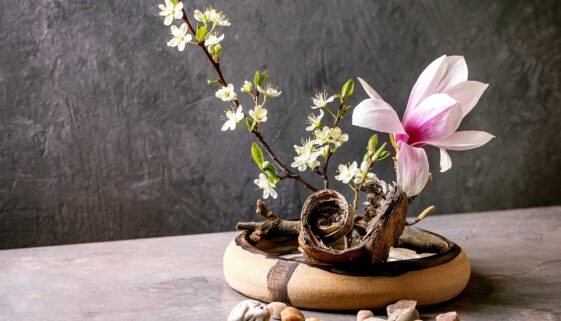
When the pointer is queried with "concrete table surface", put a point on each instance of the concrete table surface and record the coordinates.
(515, 256)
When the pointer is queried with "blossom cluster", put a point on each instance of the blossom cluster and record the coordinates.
(439, 100)
(325, 139)
(257, 115)
(207, 31)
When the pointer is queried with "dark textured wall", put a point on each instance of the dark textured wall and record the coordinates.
(106, 133)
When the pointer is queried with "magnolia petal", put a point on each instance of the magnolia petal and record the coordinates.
(377, 115)
(463, 140)
(369, 90)
(426, 84)
(436, 117)
(445, 161)
(412, 169)
(456, 72)
(467, 94)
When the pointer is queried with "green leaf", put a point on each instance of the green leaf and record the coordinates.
(348, 89)
(372, 143)
(259, 78)
(384, 155)
(379, 152)
(263, 77)
(271, 173)
(257, 155)
(201, 33)
(249, 122)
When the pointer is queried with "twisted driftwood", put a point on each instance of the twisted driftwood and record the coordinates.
(331, 232)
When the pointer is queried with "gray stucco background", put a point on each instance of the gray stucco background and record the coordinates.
(107, 133)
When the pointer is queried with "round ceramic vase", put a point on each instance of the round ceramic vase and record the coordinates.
(268, 272)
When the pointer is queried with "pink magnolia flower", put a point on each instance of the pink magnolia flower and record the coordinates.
(440, 99)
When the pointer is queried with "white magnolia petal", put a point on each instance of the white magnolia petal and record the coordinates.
(426, 83)
(369, 90)
(377, 115)
(456, 72)
(463, 140)
(445, 161)
(467, 94)
(412, 169)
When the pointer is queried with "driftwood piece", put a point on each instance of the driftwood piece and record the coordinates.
(326, 206)
(329, 230)
(272, 226)
(376, 231)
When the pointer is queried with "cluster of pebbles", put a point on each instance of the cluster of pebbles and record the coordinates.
(251, 310)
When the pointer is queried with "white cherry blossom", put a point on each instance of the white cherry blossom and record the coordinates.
(363, 175)
(347, 172)
(226, 93)
(180, 37)
(337, 137)
(322, 136)
(314, 121)
(212, 39)
(247, 87)
(171, 11)
(269, 90)
(259, 114)
(268, 188)
(233, 118)
(320, 100)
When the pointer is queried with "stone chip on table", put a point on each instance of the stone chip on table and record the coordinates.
(249, 310)
(291, 314)
(275, 309)
(401, 304)
(363, 315)
(450, 316)
(407, 314)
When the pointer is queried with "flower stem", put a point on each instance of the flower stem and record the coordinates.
(216, 65)
(324, 171)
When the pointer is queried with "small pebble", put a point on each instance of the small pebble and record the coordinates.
(362, 315)
(374, 319)
(401, 304)
(291, 314)
(450, 316)
(275, 309)
(313, 319)
(409, 314)
(249, 310)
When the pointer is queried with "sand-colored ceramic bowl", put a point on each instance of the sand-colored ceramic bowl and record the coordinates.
(272, 271)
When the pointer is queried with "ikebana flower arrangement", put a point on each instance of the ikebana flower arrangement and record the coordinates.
(332, 231)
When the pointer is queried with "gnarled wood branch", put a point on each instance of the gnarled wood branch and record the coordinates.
(272, 226)
(330, 231)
